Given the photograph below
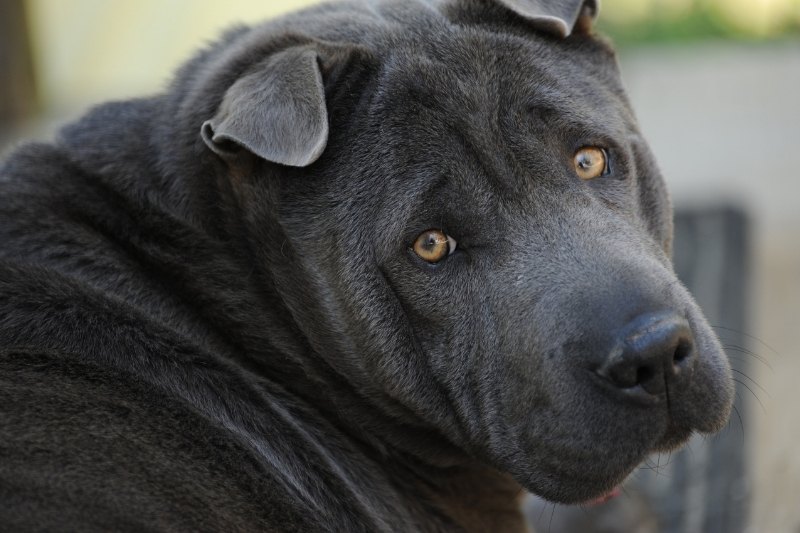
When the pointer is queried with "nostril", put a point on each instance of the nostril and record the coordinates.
(682, 356)
(644, 374)
(650, 353)
(629, 374)
(682, 351)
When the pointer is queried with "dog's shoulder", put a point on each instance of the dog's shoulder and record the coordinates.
(90, 448)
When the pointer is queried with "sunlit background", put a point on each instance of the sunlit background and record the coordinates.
(716, 85)
(89, 50)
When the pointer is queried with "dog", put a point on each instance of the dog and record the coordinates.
(372, 266)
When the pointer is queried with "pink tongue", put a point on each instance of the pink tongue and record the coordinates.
(613, 493)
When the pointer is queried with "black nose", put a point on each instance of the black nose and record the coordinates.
(652, 352)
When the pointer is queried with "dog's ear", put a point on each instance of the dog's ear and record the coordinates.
(556, 17)
(277, 111)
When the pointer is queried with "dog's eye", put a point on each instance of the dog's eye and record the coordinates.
(434, 245)
(591, 162)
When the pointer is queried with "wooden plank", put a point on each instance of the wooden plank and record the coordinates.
(712, 259)
(17, 89)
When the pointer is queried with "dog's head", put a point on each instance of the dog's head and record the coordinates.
(463, 222)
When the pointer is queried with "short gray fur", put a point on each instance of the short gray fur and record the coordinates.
(704, 488)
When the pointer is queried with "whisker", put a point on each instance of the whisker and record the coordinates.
(665, 463)
(729, 427)
(743, 384)
(689, 449)
(541, 513)
(745, 360)
(770, 348)
(745, 351)
(741, 424)
(646, 466)
(657, 468)
(649, 468)
(754, 382)
(649, 462)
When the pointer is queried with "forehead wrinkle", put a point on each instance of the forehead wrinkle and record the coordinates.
(437, 86)
(465, 96)
(582, 122)
(560, 104)
(467, 125)
(459, 66)
(491, 165)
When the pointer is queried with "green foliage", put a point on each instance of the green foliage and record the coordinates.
(704, 21)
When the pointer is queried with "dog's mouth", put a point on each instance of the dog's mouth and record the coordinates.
(674, 438)
(605, 497)
(599, 479)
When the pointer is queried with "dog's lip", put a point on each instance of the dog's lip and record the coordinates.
(605, 497)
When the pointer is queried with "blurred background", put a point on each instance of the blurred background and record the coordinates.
(716, 85)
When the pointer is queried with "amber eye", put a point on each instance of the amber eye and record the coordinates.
(434, 245)
(591, 162)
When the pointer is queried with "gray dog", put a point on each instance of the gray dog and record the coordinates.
(375, 266)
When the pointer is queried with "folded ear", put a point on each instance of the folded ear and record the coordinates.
(276, 112)
(556, 17)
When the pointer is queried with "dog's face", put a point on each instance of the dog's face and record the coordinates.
(476, 238)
